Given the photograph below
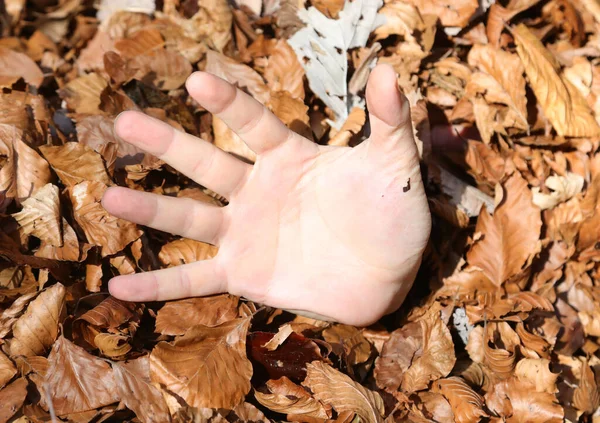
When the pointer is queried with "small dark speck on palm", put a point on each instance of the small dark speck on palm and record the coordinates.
(407, 187)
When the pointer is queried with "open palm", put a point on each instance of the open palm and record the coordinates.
(332, 232)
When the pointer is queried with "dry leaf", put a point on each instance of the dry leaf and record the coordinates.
(537, 372)
(101, 229)
(176, 317)
(7, 370)
(77, 381)
(93, 277)
(40, 216)
(352, 126)
(334, 388)
(466, 404)
(563, 105)
(288, 398)
(196, 365)
(14, 65)
(356, 347)
(36, 330)
(510, 237)
(74, 163)
(229, 141)
(400, 19)
(284, 72)
(586, 397)
(83, 94)
(110, 313)
(12, 398)
(563, 188)
(451, 13)
(112, 345)
(185, 251)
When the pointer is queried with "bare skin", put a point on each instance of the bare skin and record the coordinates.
(332, 232)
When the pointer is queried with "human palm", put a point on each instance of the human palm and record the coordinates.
(331, 232)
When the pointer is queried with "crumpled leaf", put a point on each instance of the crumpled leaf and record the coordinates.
(37, 328)
(499, 16)
(76, 381)
(40, 216)
(563, 188)
(332, 387)
(321, 47)
(177, 317)
(184, 251)
(537, 372)
(284, 72)
(586, 397)
(562, 103)
(7, 370)
(74, 162)
(112, 345)
(352, 126)
(83, 94)
(196, 365)
(401, 18)
(137, 392)
(356, 347)
(451, 13)
(288, 398)
(101, 229)
(510, 237)
(166, 69)
(110, 313)
(466, 404)
(107, 7)
(15, 65)
(12, 398)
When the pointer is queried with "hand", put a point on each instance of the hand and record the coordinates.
(335, 233)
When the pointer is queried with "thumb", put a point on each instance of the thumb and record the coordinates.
(389, 112)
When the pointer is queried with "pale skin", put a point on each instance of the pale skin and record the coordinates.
(336, 233)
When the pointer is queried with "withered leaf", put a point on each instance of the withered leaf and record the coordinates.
(586, 397)
(510, 238)
(451, 13)
(40, 216)
(356, 347)
(184, 251)
(137, 392)
(332, 387)
(112, 345)
(7, 370)
(537, 372)
(110, 313)
(284, 72)
(176, 317)
(288, 398)
(196, 365)
(12, 398)
(101, 229)
(400, 19)
(37, 328)
(563, 105)
(74, 162)
(76, 381)
(83, 94)
(14, 65)
(71, 249)
(168, 70)
(466, 404)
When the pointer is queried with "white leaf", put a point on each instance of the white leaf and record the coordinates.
(108, 7)
(563, 188)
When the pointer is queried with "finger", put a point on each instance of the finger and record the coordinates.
(180, 216)
(195, 158)
(190, 280)
(260, 129)
(389, 112)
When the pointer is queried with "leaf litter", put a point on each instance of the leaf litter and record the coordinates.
(503, 321)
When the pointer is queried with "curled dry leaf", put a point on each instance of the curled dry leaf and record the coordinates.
(37, 328)
(12, 398)
(284, 72)
(510, 237)
(196, 365)
(586, 397)
(537, 373)
(7, 370)
(352, 126)
(451, 13)
(400, 19)
(466, 404)
(499, 16)
(112, 345)
(334, 388)
(563, 104)
(292, 111)
(71, 250)
(185, 251)
(40, 216)
(139, 43)
(83, 94)
(356, 347)
(14, 65)
(101, 229)
(563, 188)
(288, 398)
(166, 69)
(176, 317)
(76, 381)
(74, 162)
(137, 392)
(93, 277)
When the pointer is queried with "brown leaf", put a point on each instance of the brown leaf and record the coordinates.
(12, 398)
(229, 141)
(291, 111)
(40, 216)
(112, 345)
(137, 392)
(586, 397)
(466, 404)
(101, 229)
(166, 69)
(74, 163)
(14, 65)
(563, 105)
(288, 398)
(36, 330)
(284, 72)
(537, 372)
(185, 251)
(352, 126)
(510, 237)
(93, 277)
(457, 13)
(139, 43)
(196, 365)
(110, 313)
(176, 317)
(77, 381)
(83, 94)
(400, 19)
(238, 74)
(71, 249)
(355, 345)
(334, 388)
(7, 370)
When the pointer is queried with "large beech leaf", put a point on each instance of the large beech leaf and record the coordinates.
(101, 228)
(37, 328)
(184, 251)
(40, 216)
(74, 163)
(176, 317)
(207, 367)
(14, 65)
(563, 104)
(76, 381)
(330, 386)
(137, 392)
(510, 237)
